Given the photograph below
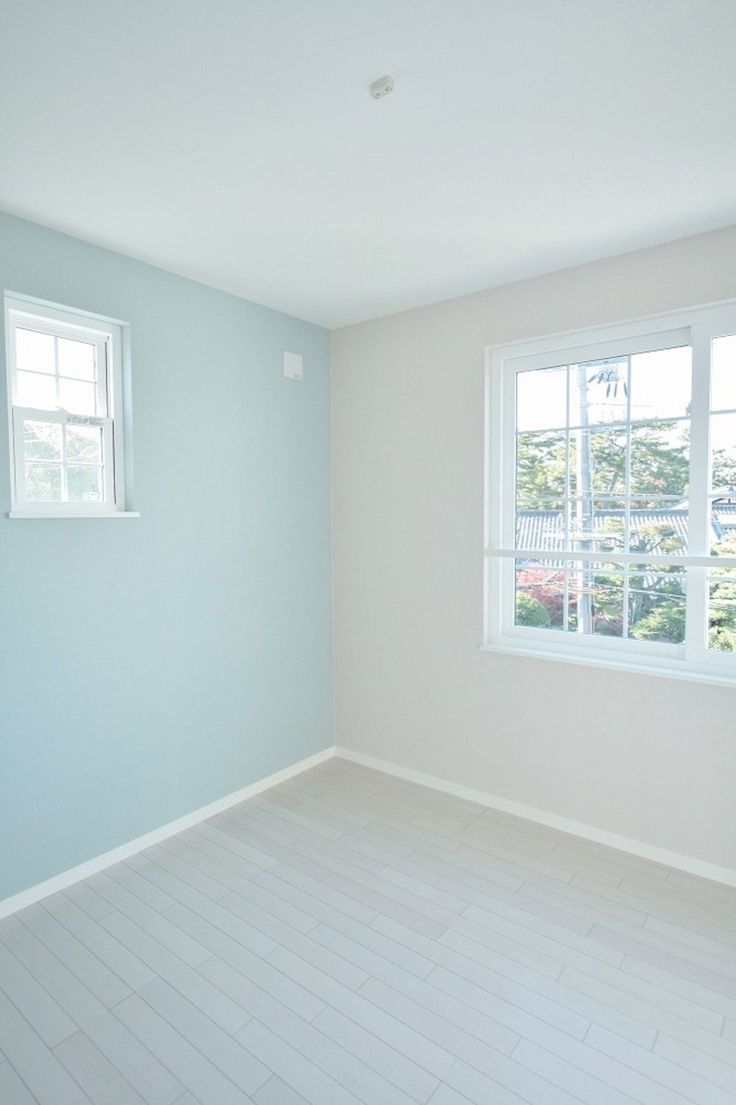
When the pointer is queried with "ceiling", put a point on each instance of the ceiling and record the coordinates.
(235, 142)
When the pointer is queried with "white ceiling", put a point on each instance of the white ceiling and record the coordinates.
(234, 141)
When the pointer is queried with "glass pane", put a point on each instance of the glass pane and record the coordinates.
(540, 594)
(660, 462)
(34, 390)
(597, 599)
(723, 453)
(43, 483)
(723, 484)
(722, 610)
(42, 440)
(661, 383)
(598, 463)
(659, 527)
(657, 603)
(539, 526)
(84, 444)
(77, 397)
(723, 374)
(541, 469)
(77, 359)
(597, 524)
(599, 391)
(541, 399)
(723, 527)
(34, 351)
(85, 483)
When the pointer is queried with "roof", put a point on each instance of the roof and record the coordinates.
(544, 529)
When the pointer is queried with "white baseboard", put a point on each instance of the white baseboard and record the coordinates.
(588, 832)
(124, 851)
(692, 866)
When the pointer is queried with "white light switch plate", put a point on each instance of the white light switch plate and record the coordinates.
(293, 365)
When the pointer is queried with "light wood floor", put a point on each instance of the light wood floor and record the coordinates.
(350, 938)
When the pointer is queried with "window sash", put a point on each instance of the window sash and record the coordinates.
(101, 342)
(106, 337)
(696, 329)
(63, 418)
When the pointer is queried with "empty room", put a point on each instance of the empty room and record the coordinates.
(368, 552)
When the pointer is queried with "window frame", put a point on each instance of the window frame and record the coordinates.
(110, 338)
(697, 327)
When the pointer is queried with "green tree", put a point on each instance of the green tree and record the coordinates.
(530, 611)
(722, 607)
(659, 465)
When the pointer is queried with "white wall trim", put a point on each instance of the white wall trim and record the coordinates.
(639, 848)
(124, 851)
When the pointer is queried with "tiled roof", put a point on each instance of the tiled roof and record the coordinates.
(544, 529)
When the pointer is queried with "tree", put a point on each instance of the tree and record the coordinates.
(530, 611)
(585, 481)
(722, 607)
(659, 466)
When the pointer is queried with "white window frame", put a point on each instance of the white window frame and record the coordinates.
(691, 660)
(108, 336)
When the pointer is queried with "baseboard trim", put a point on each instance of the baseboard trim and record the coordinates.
(690, 865)
(124, 851)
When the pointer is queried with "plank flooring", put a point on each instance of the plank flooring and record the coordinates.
(348, 938)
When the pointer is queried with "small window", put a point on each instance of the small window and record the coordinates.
(611, 506)
(65, 402)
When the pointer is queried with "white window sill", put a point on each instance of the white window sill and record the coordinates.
(31, 514)
(666, 671)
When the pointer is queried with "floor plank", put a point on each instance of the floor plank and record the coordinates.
(349, 938)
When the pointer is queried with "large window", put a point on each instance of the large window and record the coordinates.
(611, 495)
(64, 391)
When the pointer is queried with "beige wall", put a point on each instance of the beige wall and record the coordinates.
(651, 758)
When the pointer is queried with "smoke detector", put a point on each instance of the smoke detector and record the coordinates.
(382, 87)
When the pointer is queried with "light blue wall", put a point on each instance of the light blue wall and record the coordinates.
(150, 666)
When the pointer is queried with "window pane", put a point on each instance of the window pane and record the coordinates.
(43, 483)
(34, 390)
(85, 483)
(540, 527)
(722, 610)
(598, 463)
(84, 444)
(541, 399)
(42, 440)
(723, 484)
(540, 594)
(599, 391)
(661, 383)
(541, 469)
(77, 359)
(723, 452)
(657, 603)
(77, 397)
(597, 599)
(34, 351)
(660, 461)
(659, 527)
(723, 527)
(723, 374)
(597, 524)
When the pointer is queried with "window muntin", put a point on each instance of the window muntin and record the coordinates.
(64, 387)
(611, 491)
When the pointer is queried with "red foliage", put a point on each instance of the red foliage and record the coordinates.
(546, 586)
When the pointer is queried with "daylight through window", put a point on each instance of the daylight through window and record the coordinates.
(612, 496)
(64, 391)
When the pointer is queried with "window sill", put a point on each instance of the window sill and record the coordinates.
(666, 671)
(34, 515)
